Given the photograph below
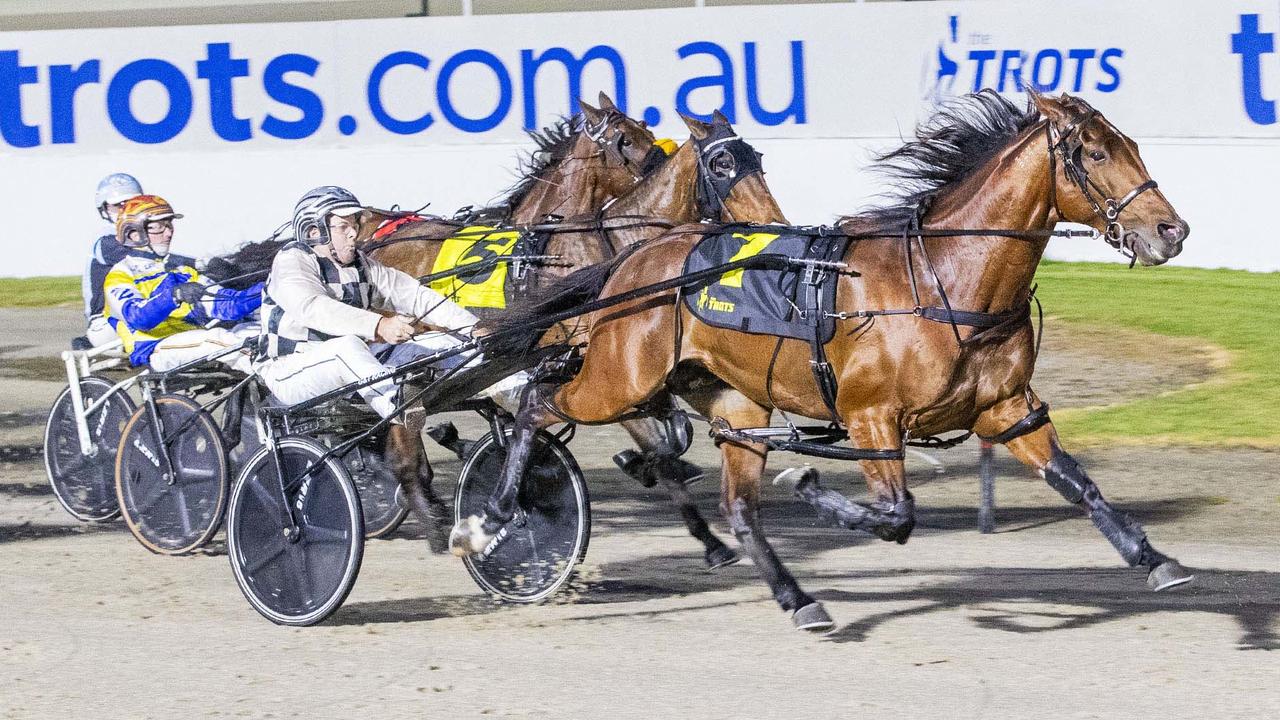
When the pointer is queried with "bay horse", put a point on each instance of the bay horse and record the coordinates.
(579, 164)
(714, 175)
(909, 356)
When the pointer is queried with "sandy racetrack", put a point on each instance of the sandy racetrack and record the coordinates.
(1040, 619)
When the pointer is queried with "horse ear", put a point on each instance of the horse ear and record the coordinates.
(606, 102)
(718, 118)
(1051, 109)
(593, 115)
(697, 128)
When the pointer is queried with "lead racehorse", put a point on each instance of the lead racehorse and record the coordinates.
(933, 329)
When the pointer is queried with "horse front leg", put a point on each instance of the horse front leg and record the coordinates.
(741, 468)
(891, 513)
(471, 535)
(660, 464)
(1041, 450)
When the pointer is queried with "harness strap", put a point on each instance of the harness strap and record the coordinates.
(1033, 421)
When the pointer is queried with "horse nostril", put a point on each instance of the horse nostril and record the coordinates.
(1172, 232)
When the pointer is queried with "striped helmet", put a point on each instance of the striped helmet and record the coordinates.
(316, 206)
(135, 215)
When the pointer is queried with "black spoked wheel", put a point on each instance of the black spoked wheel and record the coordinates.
(176, 507)
(85, 483)
(381, 500)
(549, 534)
(295, 574)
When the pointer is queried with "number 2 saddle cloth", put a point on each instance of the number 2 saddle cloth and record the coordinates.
(793, 302)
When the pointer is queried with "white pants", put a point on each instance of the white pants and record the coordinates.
(329, 365)
(100, 331)
(184, 347)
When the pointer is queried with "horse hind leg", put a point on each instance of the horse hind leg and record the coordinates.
(742, 466)
(660, 464)
(406, 457)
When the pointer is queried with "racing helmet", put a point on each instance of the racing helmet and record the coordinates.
(115, 188)
(316, 206)
(136, 214)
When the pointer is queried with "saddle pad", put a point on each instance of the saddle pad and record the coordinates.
(766, 301)
(482, 289)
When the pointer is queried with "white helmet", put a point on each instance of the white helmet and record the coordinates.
(115, 188)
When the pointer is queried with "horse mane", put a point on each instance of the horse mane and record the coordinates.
(252, 258)
(960, 137)
(554, 143)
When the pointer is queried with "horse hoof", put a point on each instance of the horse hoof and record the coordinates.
(793, 478)
(720, 557)
(632, 463)
(468, 537)
(813, 617)
(1168, 574)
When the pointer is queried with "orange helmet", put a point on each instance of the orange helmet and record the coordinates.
(135, 215)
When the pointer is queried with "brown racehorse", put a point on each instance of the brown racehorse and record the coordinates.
(581, 164)
(687, 186)
(979, 163)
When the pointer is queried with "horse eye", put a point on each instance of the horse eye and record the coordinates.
(1097, 156)
(626, 141)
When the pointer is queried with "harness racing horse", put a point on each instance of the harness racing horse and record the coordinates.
(933, 333)
(580, 164)
(715, 174)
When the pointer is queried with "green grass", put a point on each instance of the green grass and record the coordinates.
(40, 291)
(1238, 311)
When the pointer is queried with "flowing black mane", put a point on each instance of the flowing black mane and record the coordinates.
(554, 143)
(960, 137)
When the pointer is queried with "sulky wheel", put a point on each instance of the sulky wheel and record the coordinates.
(549, 534)
(172, 504)
(85, 483)
(381, 500)
(295, 540)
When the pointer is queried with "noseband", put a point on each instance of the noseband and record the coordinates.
(1069, 146)
(724, 160)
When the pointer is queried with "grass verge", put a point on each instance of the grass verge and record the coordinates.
(1233, 309)
(40, 291)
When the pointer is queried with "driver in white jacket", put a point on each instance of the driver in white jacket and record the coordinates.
(318, 312)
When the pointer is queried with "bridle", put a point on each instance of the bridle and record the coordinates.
(724, 160)
(611, 145)
(1069, 146)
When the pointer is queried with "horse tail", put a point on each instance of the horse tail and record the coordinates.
(518, 330)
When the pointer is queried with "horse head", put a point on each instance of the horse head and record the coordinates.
(629, 149)
(1100, 181)
(730, 174)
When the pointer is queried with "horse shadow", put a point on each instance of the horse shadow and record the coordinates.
(1002, 599)
(1091, 597)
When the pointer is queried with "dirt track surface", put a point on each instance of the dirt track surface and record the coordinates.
(1040, 619)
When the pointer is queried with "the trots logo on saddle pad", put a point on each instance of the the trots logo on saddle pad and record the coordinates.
(765, 301)
(483, 286)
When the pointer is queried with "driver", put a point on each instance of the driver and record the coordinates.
(113, 190)
(319, 313)
(159, 301)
